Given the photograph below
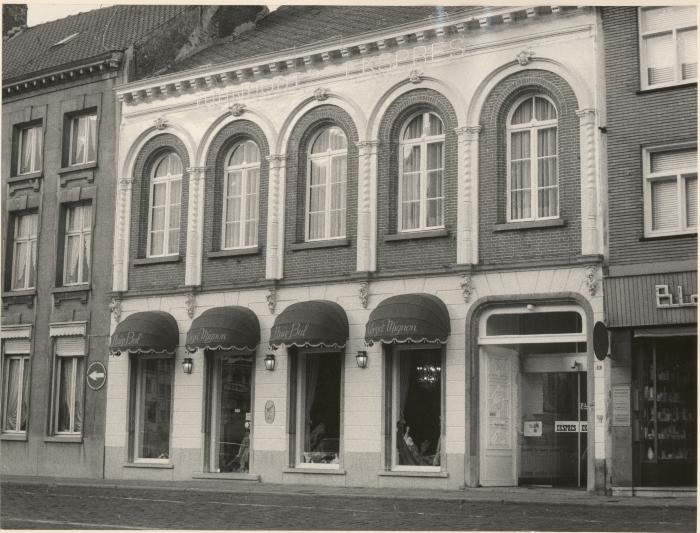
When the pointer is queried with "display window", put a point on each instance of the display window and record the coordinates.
(152, 408)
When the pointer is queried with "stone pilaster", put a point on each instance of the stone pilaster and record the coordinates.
(590, 242)
(468, 195)
(366, 206)
(195, 227)
(120, 261)
(274, 262)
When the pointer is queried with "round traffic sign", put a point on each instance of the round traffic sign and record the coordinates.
(96, 375)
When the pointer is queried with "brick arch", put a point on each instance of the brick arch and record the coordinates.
(417, 253)
(155, 275)
(222, 143)
(531, 244)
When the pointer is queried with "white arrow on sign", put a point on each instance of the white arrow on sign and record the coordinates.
(94, 375)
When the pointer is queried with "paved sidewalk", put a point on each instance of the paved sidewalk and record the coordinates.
(501, 494)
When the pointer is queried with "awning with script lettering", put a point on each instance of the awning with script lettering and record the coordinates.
(147, 332)
(224, 328)
(409, 318)
(312, 324)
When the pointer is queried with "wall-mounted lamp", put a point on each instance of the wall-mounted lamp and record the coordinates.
(530, 307)
(270, 361)
(361, 358)
(187, 365)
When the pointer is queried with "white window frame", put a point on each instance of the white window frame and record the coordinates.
(31, 241)
(395, 401)
(485, 339)
(644, 77)
(24, 361)
(681, 175)
(328, 157)
(168, 179)
(243, 169)
(36, 158)
(137, 397)
(82, 233)
(533, 127)
(74, 121)
(423, 141)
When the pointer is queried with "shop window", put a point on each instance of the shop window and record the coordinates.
(416, 409)
(319, 377)
(69, 379)
(230, 389)
(151, 398)
(668, 44)
(241, 184)
(164, 206)
(671, 191)
(29, 144)
(25, 233)
(77, 244)
(533, 190)
(326, 185)
(15, 386)
(83, 139)
(422, 165)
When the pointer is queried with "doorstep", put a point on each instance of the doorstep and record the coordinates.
(656, 492)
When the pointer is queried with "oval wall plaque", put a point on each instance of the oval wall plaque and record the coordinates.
(269, 411)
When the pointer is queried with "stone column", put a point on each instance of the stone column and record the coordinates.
(590, 221)
(468, 195)
(366, 206)
(195, 227)
(274, 262)
(120, 261)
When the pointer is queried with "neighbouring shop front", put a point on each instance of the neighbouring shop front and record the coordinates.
(653, 323)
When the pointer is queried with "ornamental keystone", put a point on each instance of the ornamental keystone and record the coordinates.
(160, 123)
(236, 109)
(321, 94)
(524, 57)
(415, 76)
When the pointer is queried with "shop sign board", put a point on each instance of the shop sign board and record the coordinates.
(621, 406)
(532, 428)
(570, 426)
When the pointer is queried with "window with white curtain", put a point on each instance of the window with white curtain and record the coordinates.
(326, 185)
(151, 401)
(24, 251)
(671, 190)
(241, 184)
(69, 379)
(78, 243)
(422, 149)
(15, 385)
(164, 206)
(533, 190)
(83, 139)
(29, 149)
(668, 44)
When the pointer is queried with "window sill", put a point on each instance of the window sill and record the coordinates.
(226, 475)
(23, 177)
(303, 470)
(311, 245)
(672, 86)
(149, 465)
(410, 235)
(71, 288)
(77, 168)
(530, 224)
(18, 293)
(253, 250)
(156, 260)
(412, 473)
(73, 439)
(14, 436)
(667, 237)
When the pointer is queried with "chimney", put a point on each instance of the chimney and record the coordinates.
(14, 19)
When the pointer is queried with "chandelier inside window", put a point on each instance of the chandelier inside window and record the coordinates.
(427, 374)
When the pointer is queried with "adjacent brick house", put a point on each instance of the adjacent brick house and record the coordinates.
(59, 185)
(362, 246)
(651, 276)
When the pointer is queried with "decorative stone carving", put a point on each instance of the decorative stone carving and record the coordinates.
(415, 76)
(272, 299)
(364, 294)
(115, 307)
(321, 94)
(467, 287)
(592, 279)
(191, 304)
(160, 123)
(524, 57)
(236, 109)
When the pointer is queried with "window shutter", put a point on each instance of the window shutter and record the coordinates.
(670, 161)
(664, 206)
(70, 346)
(660, 58)
(16, 346)
(691, 201)
(660, 18)
(688, 54)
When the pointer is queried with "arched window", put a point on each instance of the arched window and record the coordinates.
(533, 190)
(164, 206)
(422, 149)
(241, 183)
(326, 185)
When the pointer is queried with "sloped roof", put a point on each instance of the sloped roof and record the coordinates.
(290, 27)
(99, 31)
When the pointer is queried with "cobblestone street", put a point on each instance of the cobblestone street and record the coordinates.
(50, 506)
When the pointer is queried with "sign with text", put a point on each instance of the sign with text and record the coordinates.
(570, 426)
(532, 428)
(621, 406)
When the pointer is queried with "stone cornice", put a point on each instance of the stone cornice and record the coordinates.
(392, 39)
